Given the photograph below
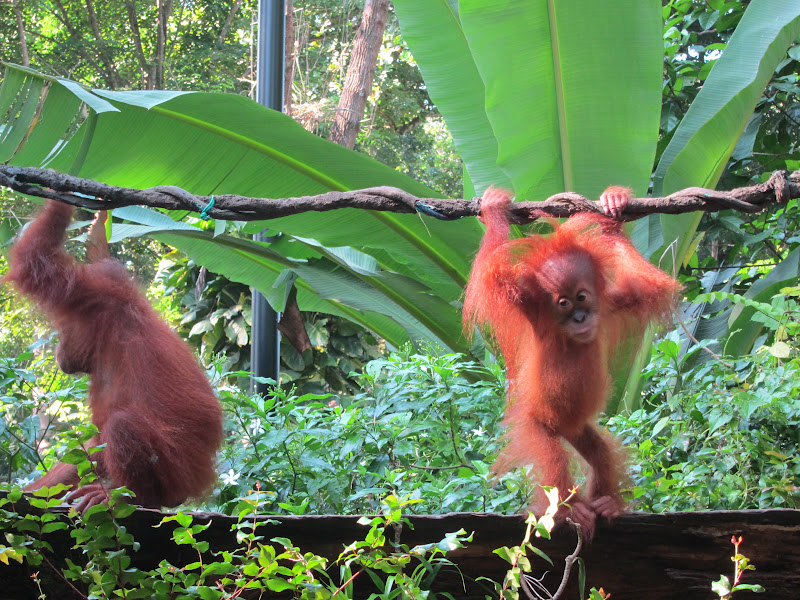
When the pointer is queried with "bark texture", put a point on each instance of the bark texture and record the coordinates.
(360, 73)
(23, 43)
(289, 52)
(46, 183)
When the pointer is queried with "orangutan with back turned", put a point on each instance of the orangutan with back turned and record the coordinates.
(155, 411)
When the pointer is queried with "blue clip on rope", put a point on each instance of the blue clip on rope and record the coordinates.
(208, 207)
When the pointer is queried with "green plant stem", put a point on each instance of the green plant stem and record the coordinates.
(453, 436)
(291, 464)
(446, 468)
(246, 430)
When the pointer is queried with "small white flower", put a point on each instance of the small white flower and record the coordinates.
(230, 478)
(256, 428)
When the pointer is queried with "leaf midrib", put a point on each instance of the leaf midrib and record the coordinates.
(566, 164)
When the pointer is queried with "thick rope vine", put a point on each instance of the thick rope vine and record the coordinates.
(45, 183)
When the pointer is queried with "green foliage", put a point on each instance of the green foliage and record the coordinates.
(18, 323)
(195, 57)
(389, 570)
(36, 401)
(758, 241)
(214, 314)
(105, 568)
(696, 34)
(517, 578)
(339, 351)
(717, 432)
(711, 435)
(426, 426)
(406, 131)
(715, 436)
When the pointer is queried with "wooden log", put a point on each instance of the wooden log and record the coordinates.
(640, 555)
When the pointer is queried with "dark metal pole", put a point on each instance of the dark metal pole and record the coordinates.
(264, 337)
(271, 44)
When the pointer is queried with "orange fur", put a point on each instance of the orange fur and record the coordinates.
(557, 385)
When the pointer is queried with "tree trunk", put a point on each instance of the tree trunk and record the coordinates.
(288, 58)
(357, 85)
(291, 324)
(109, 72)
(23, 44)
(157, 69)
(226, 28)
(360, 73)
(137, 41)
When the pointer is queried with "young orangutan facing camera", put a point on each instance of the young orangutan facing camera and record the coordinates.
(559, 306)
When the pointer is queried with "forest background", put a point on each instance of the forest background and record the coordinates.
(712, 422)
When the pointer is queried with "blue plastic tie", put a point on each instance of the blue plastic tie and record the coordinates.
(208, 207)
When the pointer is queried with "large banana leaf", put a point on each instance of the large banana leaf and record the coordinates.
(331, 280)
(572, 88)
(222, 143)
(433, 31)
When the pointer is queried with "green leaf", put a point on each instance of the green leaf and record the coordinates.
(55, 526)
(780, 350)
(745, 329)
(207, 593)
(566, 117)
(395, 307)
(663, 422)
(721, 587)
(224, 143)
(507, 554)
(75, 456)
(540, 553)
(434, 34)
(279, 585)
(718, 418)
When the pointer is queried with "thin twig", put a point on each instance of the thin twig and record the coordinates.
(570, 560)
(526, 580)
(444, 468)
(688, 333)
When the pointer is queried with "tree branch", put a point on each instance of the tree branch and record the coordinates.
(46, 183)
